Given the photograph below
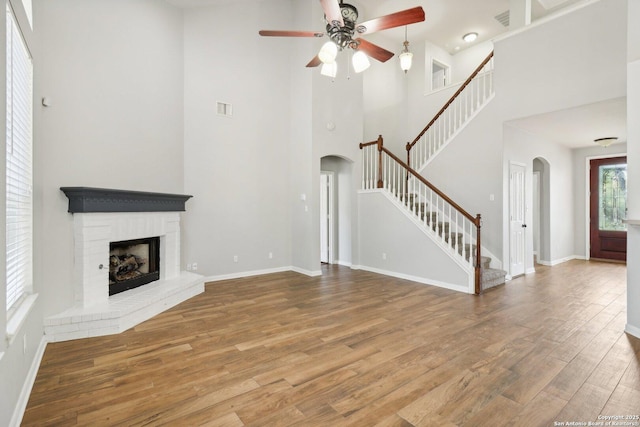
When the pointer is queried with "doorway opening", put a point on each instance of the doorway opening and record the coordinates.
(608, 209)
(326, 217)
(541, 208)
(336, 193)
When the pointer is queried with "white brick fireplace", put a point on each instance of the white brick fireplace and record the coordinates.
(95, 313)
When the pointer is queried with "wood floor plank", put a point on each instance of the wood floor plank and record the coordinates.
(354, 348)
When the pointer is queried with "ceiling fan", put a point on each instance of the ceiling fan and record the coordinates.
(342, 28)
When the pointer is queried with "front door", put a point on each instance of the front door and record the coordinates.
(608, 208)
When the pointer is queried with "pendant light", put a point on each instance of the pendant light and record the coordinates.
(406, 57)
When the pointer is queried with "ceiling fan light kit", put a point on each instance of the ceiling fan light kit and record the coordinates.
(328, 52)
(360, 61)
(343, 33)
(329, 69)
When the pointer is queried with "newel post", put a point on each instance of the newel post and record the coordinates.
(478, 278)
(409, 154)
(380, 183)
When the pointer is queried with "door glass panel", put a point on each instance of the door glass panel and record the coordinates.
(613, 197)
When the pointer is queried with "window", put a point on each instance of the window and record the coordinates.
(19, 205)
(439, 75)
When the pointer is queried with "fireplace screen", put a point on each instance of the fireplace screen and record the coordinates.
(133, 263)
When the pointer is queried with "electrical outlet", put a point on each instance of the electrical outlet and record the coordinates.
(235, 258)
(270, 255)
(194, 266)
(384, 255)
(188, 267)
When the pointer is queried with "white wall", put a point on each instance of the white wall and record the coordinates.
(237, 168)
(408, 252)
(523, 147)
(633, 165)
(385, 98)
(113, 71)
(548, 67)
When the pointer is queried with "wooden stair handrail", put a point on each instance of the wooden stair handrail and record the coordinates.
(475, 220)
(455, 95)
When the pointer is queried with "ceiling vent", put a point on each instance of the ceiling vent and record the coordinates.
(503, 18)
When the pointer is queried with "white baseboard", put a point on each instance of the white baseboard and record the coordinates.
(243, 274)
(343, 263)
(632, 330)
(306, 272)
(560, 261)
(422, 280)
(23, 399)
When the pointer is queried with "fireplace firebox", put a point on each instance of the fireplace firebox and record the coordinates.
(133, 263)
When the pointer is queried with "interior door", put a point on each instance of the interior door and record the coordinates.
(517, 223)
(608, 208)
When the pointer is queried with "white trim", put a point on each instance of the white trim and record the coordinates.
(632, 330)
(344, 263)
(530, 270)
(417, 279)
(447, 74)
(19, 316)
(27, 386)
(307, 272)
(564, 11)
(243, 274)
(561, 260)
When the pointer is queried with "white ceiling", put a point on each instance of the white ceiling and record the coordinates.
(448, 20)
(578, 127)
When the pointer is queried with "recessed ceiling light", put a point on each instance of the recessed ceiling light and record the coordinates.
(469, 37)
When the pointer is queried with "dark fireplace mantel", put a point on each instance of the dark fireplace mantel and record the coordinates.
(89, 199)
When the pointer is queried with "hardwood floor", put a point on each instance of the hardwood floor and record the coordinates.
(356, 348)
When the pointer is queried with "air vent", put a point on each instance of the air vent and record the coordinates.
(225, 109)
(503, 18)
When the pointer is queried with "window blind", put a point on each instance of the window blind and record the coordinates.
(19, 199)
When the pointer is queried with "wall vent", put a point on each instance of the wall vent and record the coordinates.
(503, 18)
(225, 109)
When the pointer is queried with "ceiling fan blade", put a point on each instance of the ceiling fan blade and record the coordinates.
(270, 33)
(398, 19)
(314, 62)
(332, 11)
(374, 51)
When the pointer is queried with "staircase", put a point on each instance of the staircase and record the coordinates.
(455, 230)
(462, 107)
